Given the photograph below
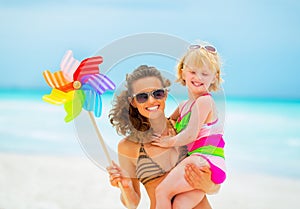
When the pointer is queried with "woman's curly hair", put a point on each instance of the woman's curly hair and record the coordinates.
(123, 116)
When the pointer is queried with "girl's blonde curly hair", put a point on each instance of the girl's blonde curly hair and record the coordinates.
(123, 116)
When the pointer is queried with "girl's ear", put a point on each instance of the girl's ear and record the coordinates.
(182, 74)
(215, 78)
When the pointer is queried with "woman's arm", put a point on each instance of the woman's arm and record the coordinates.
(125, 173)
(130, 185)
(200, 178)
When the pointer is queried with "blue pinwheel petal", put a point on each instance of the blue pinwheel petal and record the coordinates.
(93, 102)
(98, 82)
(87, 87)
(98, 105)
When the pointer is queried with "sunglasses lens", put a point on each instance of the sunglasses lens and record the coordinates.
(195, 46)
(207, 47)
(159, 94)
(141, 98)
(210, 48)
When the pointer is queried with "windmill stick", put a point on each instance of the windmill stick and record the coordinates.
(108, 157)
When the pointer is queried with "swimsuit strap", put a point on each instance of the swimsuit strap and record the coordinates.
(206, 94)
(180, 112)
(184, 118)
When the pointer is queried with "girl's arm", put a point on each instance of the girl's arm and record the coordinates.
(199, 115)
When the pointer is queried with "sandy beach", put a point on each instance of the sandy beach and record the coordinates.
(65, 182)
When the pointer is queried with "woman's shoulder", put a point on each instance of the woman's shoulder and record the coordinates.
(128, 147)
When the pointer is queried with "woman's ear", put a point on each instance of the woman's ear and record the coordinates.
(132, 101)
(167, 92)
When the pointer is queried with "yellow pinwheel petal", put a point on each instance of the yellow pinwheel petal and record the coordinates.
(58, 97)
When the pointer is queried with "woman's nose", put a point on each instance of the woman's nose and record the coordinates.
(151, 99)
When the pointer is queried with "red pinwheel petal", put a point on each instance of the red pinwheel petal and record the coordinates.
(88, 66)
(67, 88)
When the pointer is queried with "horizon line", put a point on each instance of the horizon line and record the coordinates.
(233, 97)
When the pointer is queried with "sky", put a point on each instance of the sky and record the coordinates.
(258, 40)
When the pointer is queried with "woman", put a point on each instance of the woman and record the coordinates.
(138, 114)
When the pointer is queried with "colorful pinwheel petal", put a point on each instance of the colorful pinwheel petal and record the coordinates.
(58, 97)
(78, 85)
(74, 106)
(93, 102)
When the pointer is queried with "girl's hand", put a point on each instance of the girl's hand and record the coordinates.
(116, 174)
(200, 178)
(166, 141)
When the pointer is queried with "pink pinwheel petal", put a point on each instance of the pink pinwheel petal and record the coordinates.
(69, 65)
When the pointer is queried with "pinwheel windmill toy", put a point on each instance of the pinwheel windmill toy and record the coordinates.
(79, 85)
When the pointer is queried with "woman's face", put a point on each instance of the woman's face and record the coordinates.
(152, 108)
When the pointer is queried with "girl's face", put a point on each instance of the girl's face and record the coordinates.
(151, 108)
(198, 79)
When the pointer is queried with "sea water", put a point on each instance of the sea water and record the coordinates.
(262, 136)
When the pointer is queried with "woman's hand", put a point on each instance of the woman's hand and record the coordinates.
(116, 174)
(200, 178)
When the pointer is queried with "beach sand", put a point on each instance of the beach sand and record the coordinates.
(68, 182)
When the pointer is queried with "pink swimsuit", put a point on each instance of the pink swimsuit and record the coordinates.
(209, 144)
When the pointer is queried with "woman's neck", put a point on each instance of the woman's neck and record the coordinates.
(159, 125)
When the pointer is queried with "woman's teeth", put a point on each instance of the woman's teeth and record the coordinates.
(152, 108)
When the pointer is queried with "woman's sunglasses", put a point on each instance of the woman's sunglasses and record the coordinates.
(156, 94)
(208, 48)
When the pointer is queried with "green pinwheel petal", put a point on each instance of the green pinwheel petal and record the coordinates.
(74, 107)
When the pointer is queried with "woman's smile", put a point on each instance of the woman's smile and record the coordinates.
(153, 108)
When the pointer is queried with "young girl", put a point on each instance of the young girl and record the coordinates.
(197, 126)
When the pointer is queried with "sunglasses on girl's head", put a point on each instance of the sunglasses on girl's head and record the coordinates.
(208, 48)
(156, 94)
